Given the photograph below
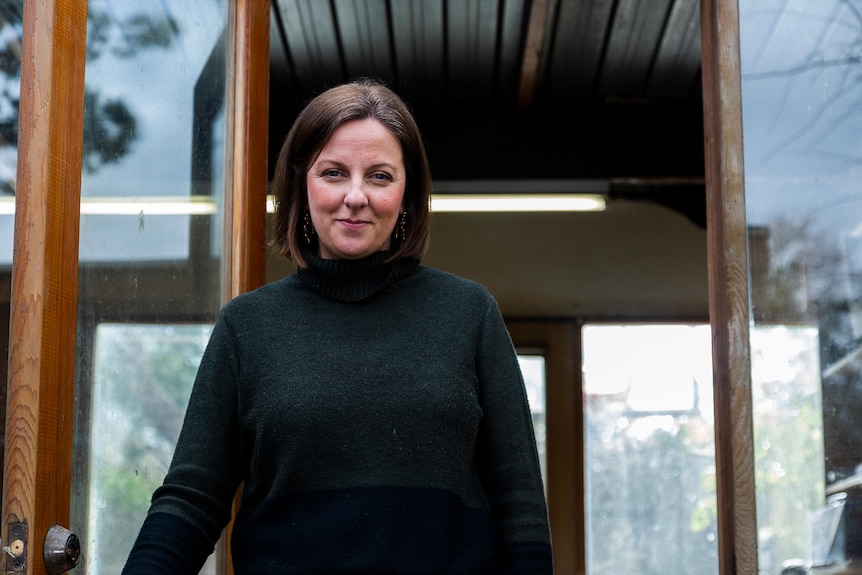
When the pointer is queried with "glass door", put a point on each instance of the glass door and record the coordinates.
(150, 256)
(140, 210)
(801, 96)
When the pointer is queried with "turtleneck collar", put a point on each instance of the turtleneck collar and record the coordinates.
(353, 280)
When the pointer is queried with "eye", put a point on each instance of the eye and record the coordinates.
(331, 173)
(381, 177)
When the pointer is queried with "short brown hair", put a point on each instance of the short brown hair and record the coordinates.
(358, 100)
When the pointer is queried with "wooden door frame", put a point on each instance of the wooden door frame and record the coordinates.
(559, 342)
(41, 380)
(40, 384)
(247, 173)
(247, 154)
(727, 253)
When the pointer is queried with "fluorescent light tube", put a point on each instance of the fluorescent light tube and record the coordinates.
(517, 203)
(133, 206)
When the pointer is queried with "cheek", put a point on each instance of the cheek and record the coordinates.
(318, 198)
(392, 207)
(393, 204)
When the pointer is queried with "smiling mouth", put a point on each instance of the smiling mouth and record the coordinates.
(353, 223)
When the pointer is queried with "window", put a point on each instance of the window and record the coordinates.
(142, 378)
(649, 465)
(533, 369)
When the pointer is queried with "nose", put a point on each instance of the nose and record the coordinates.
(355, 197)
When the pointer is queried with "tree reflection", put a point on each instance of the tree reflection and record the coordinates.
(818, 89)
(11, 29)
(142, 378)
(802, 96)
(111, 127)
(109, 130)
(802, 275)
(806, 278)
(124, 38)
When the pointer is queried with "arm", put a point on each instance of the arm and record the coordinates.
(507, 455)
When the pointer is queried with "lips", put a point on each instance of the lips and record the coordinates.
(353, 224)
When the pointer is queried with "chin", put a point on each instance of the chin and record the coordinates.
(353, 252)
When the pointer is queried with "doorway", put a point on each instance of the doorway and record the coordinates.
(528, 278)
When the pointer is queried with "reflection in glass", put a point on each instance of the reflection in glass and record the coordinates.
(149, 276)
(788, 438)
(649, 450)
(802, 92)
(11, 30)
(142, 378)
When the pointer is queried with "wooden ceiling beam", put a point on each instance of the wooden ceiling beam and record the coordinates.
(532, 57)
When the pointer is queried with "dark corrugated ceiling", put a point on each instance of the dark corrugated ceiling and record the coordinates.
(478, 50)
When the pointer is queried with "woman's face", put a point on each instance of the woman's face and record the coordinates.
(356, 190)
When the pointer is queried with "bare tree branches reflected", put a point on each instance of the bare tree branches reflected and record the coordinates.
(820, 87)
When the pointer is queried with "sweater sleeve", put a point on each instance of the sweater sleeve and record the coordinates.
(192, 506)
(507, 455)
(167, 545)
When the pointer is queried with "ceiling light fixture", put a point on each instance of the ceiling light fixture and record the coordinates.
(135, 206)
(149, 206)
(519, 195)
(517, 203)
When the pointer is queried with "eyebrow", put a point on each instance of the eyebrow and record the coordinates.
(322, 160)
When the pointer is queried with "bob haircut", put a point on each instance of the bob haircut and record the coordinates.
(358, 100)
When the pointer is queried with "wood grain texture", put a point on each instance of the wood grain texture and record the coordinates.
(40, 402)
(248, 103)
(559, 342)
(247, 175)
(533, 46)
(728, 287)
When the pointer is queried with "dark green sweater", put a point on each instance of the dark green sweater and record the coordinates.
(377, 417)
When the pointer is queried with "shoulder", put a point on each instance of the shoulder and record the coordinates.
(264, 299)
(436, 283)
(448, 280)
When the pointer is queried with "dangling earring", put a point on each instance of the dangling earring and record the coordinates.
(402, 227)
(307, 227)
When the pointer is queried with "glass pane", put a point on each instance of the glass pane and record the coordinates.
(133, 441)
(150, 252)
(801, 97)
(533, 369)
(11, 30)
(788, 440)
(649, 450)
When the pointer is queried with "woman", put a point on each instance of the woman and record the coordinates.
(372, 408)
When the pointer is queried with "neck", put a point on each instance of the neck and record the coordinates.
(353, 280)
